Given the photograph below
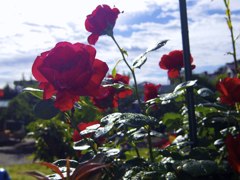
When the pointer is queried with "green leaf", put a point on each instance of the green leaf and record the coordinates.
(200, 153)
(63, 162)
(81, 145)
(230, 53)
(114, 71)
(124, 51)
(219, 143)
(205, 92)
(197, 168)
(213, 106)
(102, 131)
(138, 135)
(172, 121)
(90, 129)
(127, 119)
(35, 92)
(218, 122)
(170, 96)
(118, 86)
(227, 130)
(112, 152)
(139, 61)
(156, 46)
(110, 118)
(185, 85)
(45, 109)
(205, 110)
(171, 176)
(137, 120)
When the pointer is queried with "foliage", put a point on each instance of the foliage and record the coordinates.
(19, 109)
(53, 139)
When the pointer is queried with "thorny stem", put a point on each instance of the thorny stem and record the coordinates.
(229, 22)
(89, 143)
(136, 149)
(69, 117)
(132, 71)
(237, 105)
(150, 144)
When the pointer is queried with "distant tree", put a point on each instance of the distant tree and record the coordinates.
(9, 92)
(204, 81)
(20, 109)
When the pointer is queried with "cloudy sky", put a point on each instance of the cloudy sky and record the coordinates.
(29, 27)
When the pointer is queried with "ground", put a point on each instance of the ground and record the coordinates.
(16, 153)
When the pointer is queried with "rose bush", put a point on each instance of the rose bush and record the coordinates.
(110, 98)
(152, 139)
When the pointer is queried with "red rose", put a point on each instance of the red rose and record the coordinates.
(112, 95)
(233, 149)
(122, 79)
(173, 62)
(163, 142)
(229, 89)
(101, 22)
(69, 71)
(150, 91)
(82, 126)
(106, 100)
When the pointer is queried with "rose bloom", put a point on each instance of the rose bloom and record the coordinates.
(229, 89)
(69, 71)
(101, 22)
(173, 62)
(1, 93)
(150, 91)
(233, 150)
(82, 126)
(110, 98)
(163, 142)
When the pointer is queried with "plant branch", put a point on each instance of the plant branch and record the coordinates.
(229, 23)
(150, 144)
(132, 71)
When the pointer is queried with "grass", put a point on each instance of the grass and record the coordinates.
(16, 172)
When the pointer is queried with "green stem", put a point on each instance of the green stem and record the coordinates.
(89, 142)
(237, 105)
(132, 71)
(150, 144)
(229, 22)
(136, 149)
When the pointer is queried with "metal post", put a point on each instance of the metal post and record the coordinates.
(188, 73)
